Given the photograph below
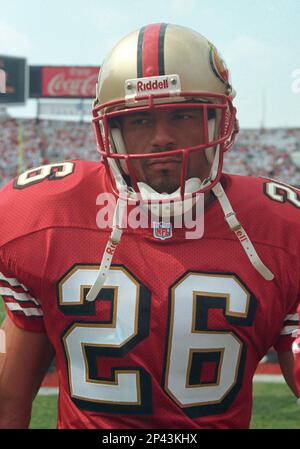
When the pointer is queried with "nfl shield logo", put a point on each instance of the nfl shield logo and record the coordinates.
(162, 230)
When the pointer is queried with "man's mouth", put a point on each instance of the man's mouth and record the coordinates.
(164, 163)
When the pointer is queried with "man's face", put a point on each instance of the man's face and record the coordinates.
(165, 130)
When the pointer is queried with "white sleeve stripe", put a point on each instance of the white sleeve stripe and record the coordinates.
(28, 312)
(17, 296)
(12, 281)
(288, 330)
(293, 317)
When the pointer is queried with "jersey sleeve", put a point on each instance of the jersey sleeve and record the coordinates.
(22, 308)
(290, 326)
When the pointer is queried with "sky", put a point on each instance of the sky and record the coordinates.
(259, 40)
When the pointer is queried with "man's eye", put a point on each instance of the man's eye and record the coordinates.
(140, 121)
(182, 116)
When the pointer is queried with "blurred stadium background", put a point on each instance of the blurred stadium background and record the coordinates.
(61, 130)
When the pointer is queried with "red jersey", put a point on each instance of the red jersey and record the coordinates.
(177, 331)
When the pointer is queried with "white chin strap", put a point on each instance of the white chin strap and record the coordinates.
(241, 234)
(110, 248)
(172, 207)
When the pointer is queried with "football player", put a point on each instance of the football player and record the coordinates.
(150, 326)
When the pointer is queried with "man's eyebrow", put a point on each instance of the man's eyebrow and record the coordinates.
(120, 119)
(181, 109)
(138, 113)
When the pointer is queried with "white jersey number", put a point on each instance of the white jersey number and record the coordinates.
(191, 344)
(54, 171)
(282, 193)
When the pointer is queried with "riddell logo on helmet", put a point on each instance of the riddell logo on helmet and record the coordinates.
(164, 84)
(152, 85)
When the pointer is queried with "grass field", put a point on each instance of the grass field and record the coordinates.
(274, 407)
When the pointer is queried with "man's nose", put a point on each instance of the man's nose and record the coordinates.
(163, 135)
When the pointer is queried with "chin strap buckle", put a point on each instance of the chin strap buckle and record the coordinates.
(232, 221)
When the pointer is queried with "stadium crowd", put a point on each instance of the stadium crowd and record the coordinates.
(26, 143)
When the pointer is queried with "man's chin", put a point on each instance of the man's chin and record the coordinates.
(164, 188)
(162, 180)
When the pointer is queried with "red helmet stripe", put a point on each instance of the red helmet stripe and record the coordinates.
(150, 58)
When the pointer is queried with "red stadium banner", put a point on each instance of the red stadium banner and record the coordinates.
(69, 82)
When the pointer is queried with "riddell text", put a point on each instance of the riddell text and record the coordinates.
(152, 85)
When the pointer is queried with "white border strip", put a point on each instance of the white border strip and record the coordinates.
(269, 378)
(48, 391)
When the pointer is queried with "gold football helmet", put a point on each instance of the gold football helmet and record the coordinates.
(156, 67)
